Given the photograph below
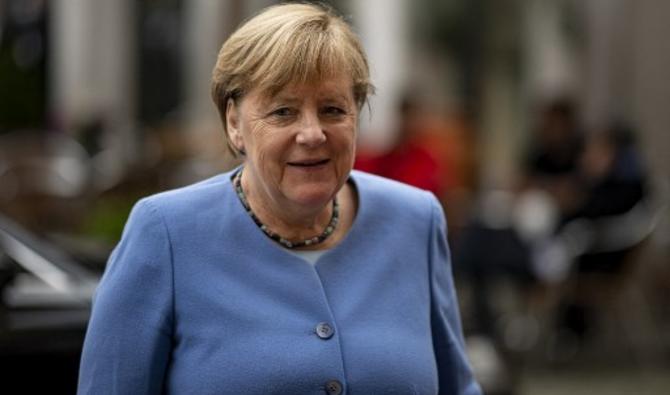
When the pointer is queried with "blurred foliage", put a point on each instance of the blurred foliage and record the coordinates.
(109, 211)
(107, 218)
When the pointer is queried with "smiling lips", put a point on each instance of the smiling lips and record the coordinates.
(309, 163)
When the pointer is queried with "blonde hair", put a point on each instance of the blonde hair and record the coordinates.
(288, 43)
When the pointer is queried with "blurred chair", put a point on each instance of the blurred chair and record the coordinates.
(605, 282)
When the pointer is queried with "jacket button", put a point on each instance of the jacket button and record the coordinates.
(324, 330)
(334, 387)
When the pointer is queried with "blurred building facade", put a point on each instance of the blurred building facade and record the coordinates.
(103, 61)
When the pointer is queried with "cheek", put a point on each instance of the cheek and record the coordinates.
(272, 150)
(345, 147)
(255, 133)
(348, 141)
(263, 139)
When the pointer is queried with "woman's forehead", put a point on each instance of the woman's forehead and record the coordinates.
(338, 86)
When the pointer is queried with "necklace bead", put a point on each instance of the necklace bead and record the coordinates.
(329, 230)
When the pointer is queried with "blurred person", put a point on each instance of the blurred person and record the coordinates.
(612, 185)
(433, 151)
(556, 137)
(606, 187)
(410, 159)
(509, 238)
(612, 176)
(290, 274)
(552, 160)
(452, 138)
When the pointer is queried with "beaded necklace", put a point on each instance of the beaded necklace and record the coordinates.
(330, 228)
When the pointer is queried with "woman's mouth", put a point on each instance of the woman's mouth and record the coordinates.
(309, 163)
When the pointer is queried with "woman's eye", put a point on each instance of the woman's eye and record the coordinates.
(333, 110)
(282, 112)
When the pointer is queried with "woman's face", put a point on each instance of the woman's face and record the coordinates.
(299, 143)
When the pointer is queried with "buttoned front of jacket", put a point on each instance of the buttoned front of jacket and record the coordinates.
(210, 305)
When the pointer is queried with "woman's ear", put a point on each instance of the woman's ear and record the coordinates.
(233, 125)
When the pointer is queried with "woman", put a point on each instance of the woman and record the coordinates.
(291, 274)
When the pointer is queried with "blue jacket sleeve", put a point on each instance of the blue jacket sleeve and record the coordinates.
(455, 374)
(128, 340)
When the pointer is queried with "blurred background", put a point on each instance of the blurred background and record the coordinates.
(542, 125)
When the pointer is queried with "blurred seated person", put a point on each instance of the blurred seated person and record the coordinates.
(598, 227)
(602, 219)
(612, 179)
(587, 177)
(611, 219)
(585, 219)
(501, 240)
(608, 189)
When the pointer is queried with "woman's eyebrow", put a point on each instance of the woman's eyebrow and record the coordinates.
(283, 98)
(335, 97)
(292, 98)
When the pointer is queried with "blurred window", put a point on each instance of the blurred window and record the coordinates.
(23, 64)
(160, 48)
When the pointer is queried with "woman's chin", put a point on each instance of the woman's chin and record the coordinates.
(310, 197)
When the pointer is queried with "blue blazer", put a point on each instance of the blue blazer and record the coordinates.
(195, 299)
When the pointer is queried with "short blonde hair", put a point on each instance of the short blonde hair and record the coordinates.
(288, 43)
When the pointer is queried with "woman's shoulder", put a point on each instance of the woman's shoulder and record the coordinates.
(392, 197)
(197, 197)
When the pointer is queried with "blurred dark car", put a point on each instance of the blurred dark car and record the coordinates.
(45, 300)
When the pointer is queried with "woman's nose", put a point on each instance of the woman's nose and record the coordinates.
(311, 132)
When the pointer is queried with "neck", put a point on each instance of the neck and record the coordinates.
(292, 223)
